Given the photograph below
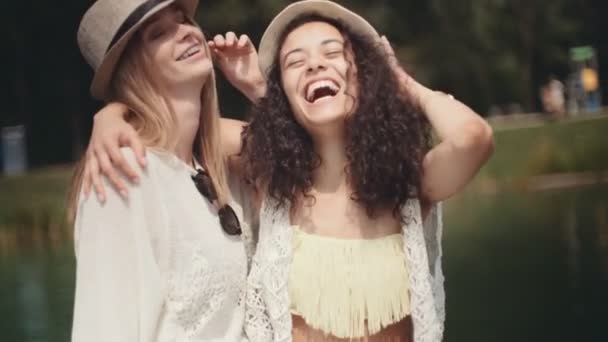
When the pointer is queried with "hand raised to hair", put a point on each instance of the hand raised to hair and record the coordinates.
(238, 60)
(403, 76)
(407, 82)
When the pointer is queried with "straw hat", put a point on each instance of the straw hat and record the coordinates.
(107, 27)
(269, 43)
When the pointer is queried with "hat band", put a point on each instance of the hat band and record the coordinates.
(133, 19)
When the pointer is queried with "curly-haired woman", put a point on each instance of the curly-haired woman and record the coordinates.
(349, 241)
(339, 148)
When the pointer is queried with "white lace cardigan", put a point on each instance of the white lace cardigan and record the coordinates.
(268, 316)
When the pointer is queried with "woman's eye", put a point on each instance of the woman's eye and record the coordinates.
(294, 63)
(158, 31)
(336, 53)
(157, 34)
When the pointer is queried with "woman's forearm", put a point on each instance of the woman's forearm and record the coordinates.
(254, 90)
(466, 143)
(451, 119)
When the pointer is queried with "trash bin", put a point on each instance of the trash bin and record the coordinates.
(14, 155)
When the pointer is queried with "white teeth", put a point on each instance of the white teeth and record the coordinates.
(191, 51)
(310, 91)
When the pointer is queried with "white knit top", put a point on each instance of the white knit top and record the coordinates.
(157, 266)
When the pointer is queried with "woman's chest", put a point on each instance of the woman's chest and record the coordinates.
(342, 217)
(198, 248)
(205, 269)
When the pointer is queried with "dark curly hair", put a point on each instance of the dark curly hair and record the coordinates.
(387, 135)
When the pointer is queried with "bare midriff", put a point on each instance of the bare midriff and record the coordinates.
(397, 332)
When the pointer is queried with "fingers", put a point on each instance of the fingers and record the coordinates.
(243, 41)
(220, 56)
(219, 41)
(394, 62)
(231, 39)
(140, 150)
(86, 179)
(119, 161)
(105, 163)
(93, 168)
(388, 49)
(131, 138)
(230, 42)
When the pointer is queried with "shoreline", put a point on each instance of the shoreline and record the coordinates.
(546, 182)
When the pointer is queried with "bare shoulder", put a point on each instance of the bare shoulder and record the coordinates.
(230, 133)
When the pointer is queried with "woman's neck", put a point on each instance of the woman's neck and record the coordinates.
(187, 106)
(330, 176)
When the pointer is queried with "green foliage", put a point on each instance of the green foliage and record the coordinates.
(34, 201)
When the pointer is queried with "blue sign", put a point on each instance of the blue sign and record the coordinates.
(14, 155)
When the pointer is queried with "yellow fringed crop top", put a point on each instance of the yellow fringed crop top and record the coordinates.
(348, 288)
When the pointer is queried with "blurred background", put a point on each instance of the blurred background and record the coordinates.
(525, 246)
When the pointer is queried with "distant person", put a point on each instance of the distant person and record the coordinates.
(590, 81)
(553, 98)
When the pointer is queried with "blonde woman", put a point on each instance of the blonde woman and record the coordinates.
(167, 262)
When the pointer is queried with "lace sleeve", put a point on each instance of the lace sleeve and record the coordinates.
(433, 229)
(426, 311)
(258, 325)
(257, 320)
(268, 317)
(243, 197)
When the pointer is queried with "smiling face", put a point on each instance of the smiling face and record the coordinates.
(318, 75)
(176, 48)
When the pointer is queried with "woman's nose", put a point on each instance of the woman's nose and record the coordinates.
(186, 32)
(316, 63)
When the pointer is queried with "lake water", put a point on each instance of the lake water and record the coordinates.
(519, 267)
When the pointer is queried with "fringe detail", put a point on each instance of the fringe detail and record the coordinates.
(349, 288)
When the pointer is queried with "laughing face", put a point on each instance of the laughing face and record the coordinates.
(318, 76)
(176, 48)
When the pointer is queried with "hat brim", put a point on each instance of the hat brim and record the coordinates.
(103, 76)
(269, 42)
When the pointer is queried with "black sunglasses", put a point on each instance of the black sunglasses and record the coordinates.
(228, 219)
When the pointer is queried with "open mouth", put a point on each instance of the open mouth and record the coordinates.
(321, 89)
(191, 51)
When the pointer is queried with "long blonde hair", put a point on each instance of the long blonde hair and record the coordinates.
(155, 120)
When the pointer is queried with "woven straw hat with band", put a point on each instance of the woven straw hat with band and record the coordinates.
(269, 43)
(107, 27)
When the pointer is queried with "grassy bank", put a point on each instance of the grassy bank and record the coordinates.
(32, 207)
(573, 146)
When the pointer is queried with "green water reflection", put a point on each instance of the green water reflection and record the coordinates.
(528, 267)
(37, 288)
(519, 267)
